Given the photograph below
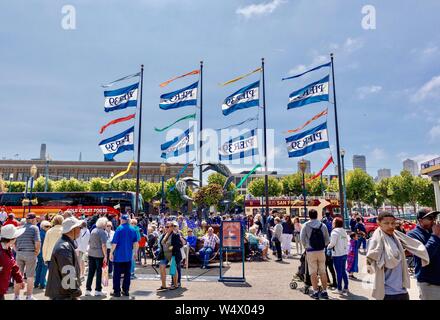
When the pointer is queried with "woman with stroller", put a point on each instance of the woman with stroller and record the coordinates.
(339, 246)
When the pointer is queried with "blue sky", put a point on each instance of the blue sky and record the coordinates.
(388, 79)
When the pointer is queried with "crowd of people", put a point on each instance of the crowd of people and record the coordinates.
(59, 253)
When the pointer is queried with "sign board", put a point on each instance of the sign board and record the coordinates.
(231, 234)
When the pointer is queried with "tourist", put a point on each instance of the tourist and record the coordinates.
(209, 242)
(3, 216)
(165, 253)
(97, 256)
(339, 247)
(257, 242)
(328, 221)
(51, 238)
(386, 259)
(353, 222)
(67, 214)
(11, 220)
(133, 223)
(428, 233)
(64, 264)
(124, 243)
(191, 239)
(277, 231)
(314, 236)
(270, 223)
(110, 233)
(287, 235)
(353, 256)
(362, 233)
(83, 247)
(177, 243)
(41, 270)
(142, 253)
(28, 247)
(9, 267)
(296, 232)
(258, 221)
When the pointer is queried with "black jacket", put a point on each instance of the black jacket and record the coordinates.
(64, 283)
(175, 243)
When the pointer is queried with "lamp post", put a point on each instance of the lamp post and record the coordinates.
(33, 175)
(163, 170)
(303, 167)
(344, 203)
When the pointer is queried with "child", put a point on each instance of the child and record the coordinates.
(352, 258)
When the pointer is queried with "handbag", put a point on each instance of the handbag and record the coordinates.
(173, 266)
(105, 275)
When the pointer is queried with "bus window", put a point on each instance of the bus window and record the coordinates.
(11, 199)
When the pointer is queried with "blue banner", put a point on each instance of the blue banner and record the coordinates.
(118, 144)
(121, 98)
(314, 92)
(180, 98)
(179, 145)
(246, 97)
(243, 146)
(308, 141)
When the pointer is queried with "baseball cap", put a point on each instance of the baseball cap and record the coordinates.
(70, 223)
(125, 217)
(11, 232)
(31, 216)
(425, 212)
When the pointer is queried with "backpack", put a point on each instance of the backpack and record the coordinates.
(317, 241)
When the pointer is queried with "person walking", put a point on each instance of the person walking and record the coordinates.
(41, 270)
(270, 223)
(64, 264)
(110, 233)
(362, 234)
(296, 232)
(314, 236)
(97, 256)
(276, 238)
(28, 247)
(165, 253)
(339, 247)
(51, 238)
(8, 265)
(287, 235)
(83, 247)
(124, 243)
(386, 259)
(133, 223)
(353, 256)
(428, 233)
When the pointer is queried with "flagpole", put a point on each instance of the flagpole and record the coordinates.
(138, 170)
(338, 149)
(266, 189)
(201, 125)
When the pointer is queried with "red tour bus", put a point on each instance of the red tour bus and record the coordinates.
(81, 203)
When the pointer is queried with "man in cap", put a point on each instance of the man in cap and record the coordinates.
(428, 232)
(64, 281)
(28, 247)
(8, 265)
(124, 243)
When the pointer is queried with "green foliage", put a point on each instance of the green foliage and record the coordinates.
(359, 185)
(292, 184)
(217, 178)
(40, 183)
(172, 197)
(427, 197)
(333, 186)
(209, 195)
(149, 190)
(17, 186)
(256, 187)
(316, 187)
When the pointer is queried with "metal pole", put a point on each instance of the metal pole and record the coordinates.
(201, 125)
(47, 175)
(304, 195)
(346, 221)
(163, 194)
(138, 171)
(30, 196)
(338, 149)
(266, 178)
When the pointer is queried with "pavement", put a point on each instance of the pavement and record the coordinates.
(265, 280)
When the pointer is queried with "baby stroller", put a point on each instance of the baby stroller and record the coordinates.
(302, 275)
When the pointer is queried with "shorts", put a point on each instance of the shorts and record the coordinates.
(27, 261)
(316, 262)
(163, 262)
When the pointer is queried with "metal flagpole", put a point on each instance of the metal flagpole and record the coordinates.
(201, 125)
(266, 191)
(138, 171)
(338, 149)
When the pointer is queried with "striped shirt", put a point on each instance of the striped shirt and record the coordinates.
(26, 242)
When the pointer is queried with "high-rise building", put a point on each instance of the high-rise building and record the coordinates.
(383, 173)
(308, 167)
(43, 151)
(411, 166)
(360, 162)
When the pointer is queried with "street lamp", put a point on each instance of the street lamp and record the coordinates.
(46, 173)
(34, 170)
(303, 167)
(163, 170)
(344, 203)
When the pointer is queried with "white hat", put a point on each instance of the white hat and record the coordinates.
(11, 232)
(70, 223)
(45, 223)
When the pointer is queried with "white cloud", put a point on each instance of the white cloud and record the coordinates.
(298, 69)
(363, 92)
(353, 44)
(378, 154)
(434, 133)
(430, 50)
(259, 9)
(419, 158)
(429, 89)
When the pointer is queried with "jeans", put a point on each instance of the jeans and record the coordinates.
(205, 254)
(133, 264)
(95, 265)
(341, 271)
(402, 296)
(330, 267)
(362, 241)
(121, 268)
(110, 263)
(40, 273)
(278, 248)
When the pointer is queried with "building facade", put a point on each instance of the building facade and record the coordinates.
(360, 162)
(383, 173)
(19, 170)
(411, 166)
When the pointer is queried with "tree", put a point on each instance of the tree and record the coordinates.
(149, 190)
(292, 184)
(217, 178)
(426, 195)
(256, 187)
(40, 183)
(17, 186)
(173, 197)
(316, 187)
(359, 185)
(209, 195)
(397, 195)
(375, 198)
(333, 186)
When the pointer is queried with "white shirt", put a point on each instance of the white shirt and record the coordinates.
(83, 240)
(109, 238)
(339, 241)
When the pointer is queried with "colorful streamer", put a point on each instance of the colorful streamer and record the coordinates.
(119, 120)
(190, 116)
(179, 174)
(123, 78)
(316, 117)
(120, 174)
(247, 176)
(329, 161)
(240, 77)
(164, 84)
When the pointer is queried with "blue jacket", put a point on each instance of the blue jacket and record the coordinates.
(429, 273)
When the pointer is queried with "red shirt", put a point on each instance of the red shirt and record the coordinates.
(11, 221)
(8, 268)
(142, 242)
